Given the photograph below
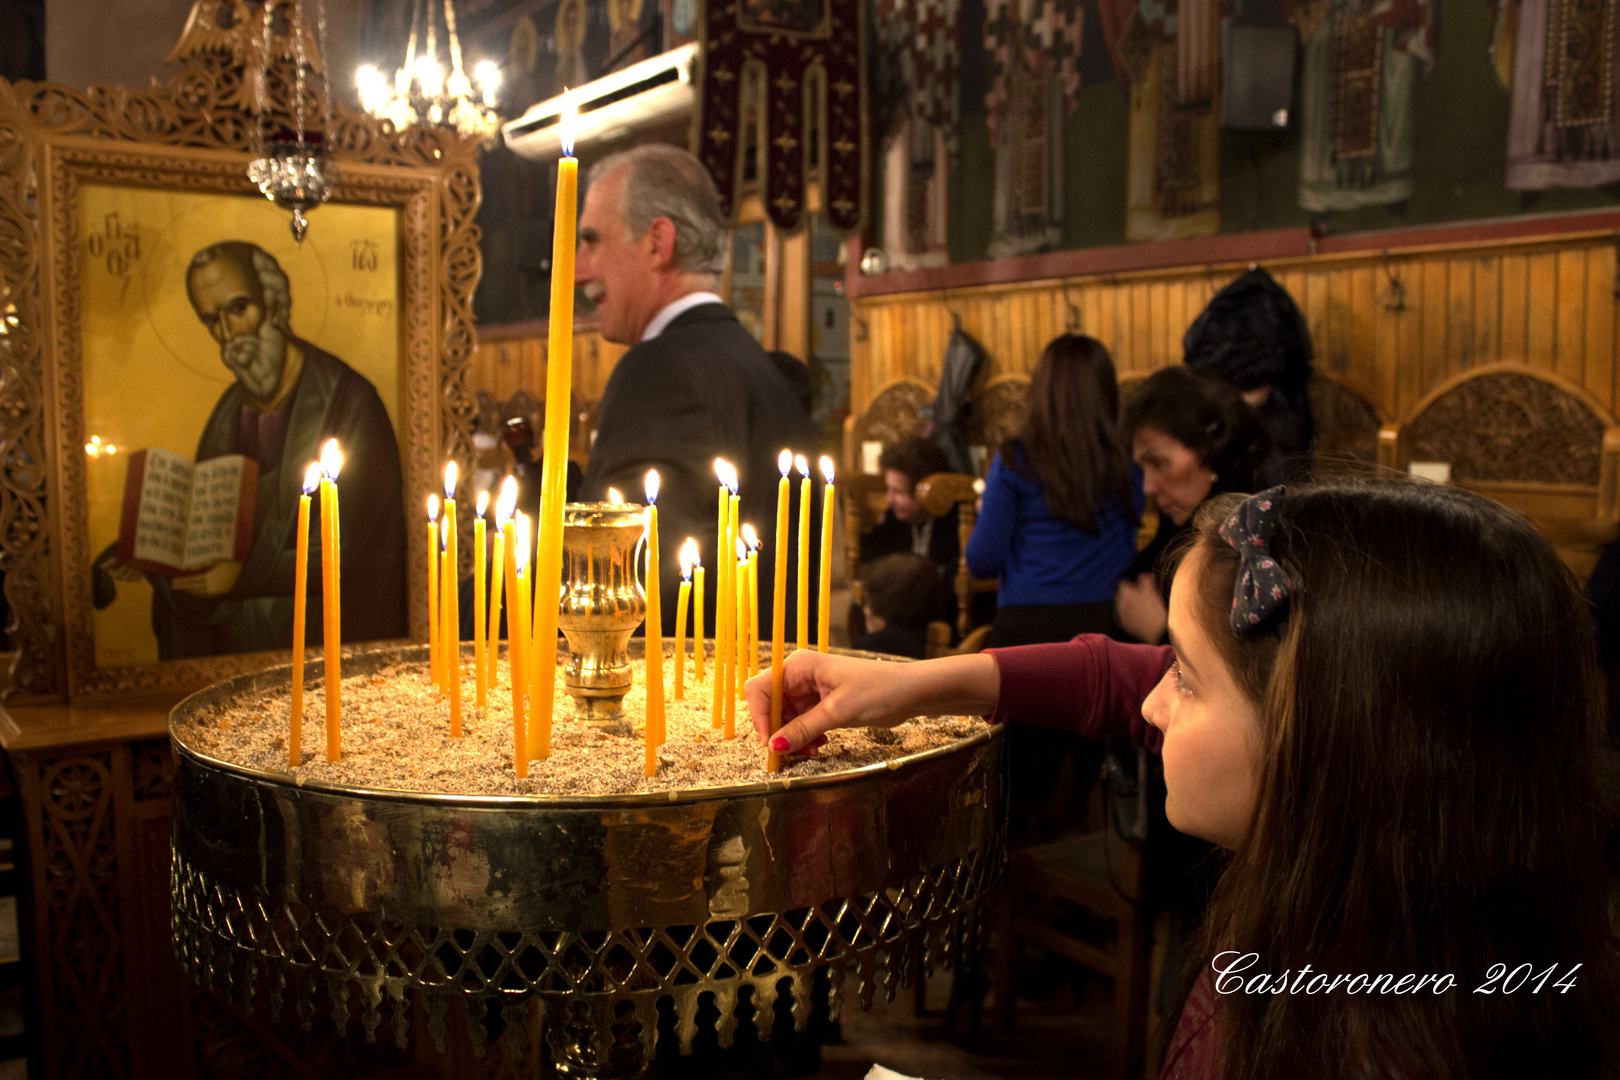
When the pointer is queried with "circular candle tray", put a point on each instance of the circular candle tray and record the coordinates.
(599, 906)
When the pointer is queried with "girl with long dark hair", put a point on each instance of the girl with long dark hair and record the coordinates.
(1382, 699)
(1057, 527)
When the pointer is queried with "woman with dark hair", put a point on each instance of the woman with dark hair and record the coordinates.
(1194, 437)
(1382, 699)
(1057, 527)
(1253, 336)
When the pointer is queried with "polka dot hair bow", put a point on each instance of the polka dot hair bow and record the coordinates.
(1262, 587)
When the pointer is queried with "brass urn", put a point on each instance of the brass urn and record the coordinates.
(602, 603)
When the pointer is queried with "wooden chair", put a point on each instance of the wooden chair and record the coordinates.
(938, 494)
(896, 412)
(998, 413)
(1101, 873)
(1528, 439)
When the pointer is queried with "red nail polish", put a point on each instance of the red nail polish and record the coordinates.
(779, 744)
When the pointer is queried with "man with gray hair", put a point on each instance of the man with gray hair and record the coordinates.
(287, 398)
(695, 385)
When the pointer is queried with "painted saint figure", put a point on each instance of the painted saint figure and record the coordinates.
(289, 397)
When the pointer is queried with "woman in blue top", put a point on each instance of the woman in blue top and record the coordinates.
(1058, 525)
(1058, 529)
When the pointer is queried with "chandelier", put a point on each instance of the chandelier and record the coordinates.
(421, 92)
(294, 169)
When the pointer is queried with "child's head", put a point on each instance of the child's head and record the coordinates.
(902, 589)
(1401, 751)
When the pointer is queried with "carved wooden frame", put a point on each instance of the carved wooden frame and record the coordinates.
(190, 135)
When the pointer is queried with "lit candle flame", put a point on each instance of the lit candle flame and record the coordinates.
(652, 486)
(784, 462)
(801, 465)
(726, 473)
(451, 475)
(506, 505)
(444, 530)
(567, 124)
(483, 502)
(433, 507)
(521, 535)
(614, 496)
(750, 537)
(688, 558)
(331, 459)
(826, 468)
(697, 557)
(312, 478)
(742, 550)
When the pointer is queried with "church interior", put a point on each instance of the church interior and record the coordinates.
(1029, 294)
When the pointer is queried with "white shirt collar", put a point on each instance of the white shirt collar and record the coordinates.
(676, 307)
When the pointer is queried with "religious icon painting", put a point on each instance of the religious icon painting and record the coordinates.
(192, 358)
(218, 354)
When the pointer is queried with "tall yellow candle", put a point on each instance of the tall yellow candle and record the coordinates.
(435, 561)
(773, 760)
(480, 672)
(517, 633)
(654, 634)
(750, 568)
(802, 594)
(683, 600)
(295, 736)
(505, 507)
(722, 596)
(824, 610)
(739, 612)
(450, 583)
(554, 466)
(332, 596)
(697, 618)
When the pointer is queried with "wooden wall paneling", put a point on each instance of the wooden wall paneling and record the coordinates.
(1487, 309)
(1569, 340)
(1541, 313)
(1178, 317)
(1459, 315)
(1361, 366)
(1430, 310)
(1602, 264)
(1514, 319)
(793, 329)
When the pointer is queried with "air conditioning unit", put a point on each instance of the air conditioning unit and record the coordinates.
(647, 94)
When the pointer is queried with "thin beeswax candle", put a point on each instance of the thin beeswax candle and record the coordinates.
(682, 601)
(554, 466)
(697, 617)
(773, 760)
(480, 674)
(802, 593)
(434, 561)
(654, 638)
(295, 736)
(332, 596)
(502, 572)
(824, 611)
(450, 585)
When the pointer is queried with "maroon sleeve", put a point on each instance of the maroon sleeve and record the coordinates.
(1093, 686)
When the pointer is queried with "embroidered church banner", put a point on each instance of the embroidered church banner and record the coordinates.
(786, 41)
(1564, 122)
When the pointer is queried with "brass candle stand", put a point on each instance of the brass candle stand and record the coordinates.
(584, 916)
(601, 605)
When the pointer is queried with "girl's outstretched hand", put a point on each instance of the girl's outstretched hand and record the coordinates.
(822, 691)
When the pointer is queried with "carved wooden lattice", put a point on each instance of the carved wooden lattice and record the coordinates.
(999, 411)
(895, 413)
(1346, 439)
(133, 136)
(1508, 426)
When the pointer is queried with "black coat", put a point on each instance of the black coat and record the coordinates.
(703, 389)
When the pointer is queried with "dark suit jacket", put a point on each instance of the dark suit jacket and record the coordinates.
(703, 389)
